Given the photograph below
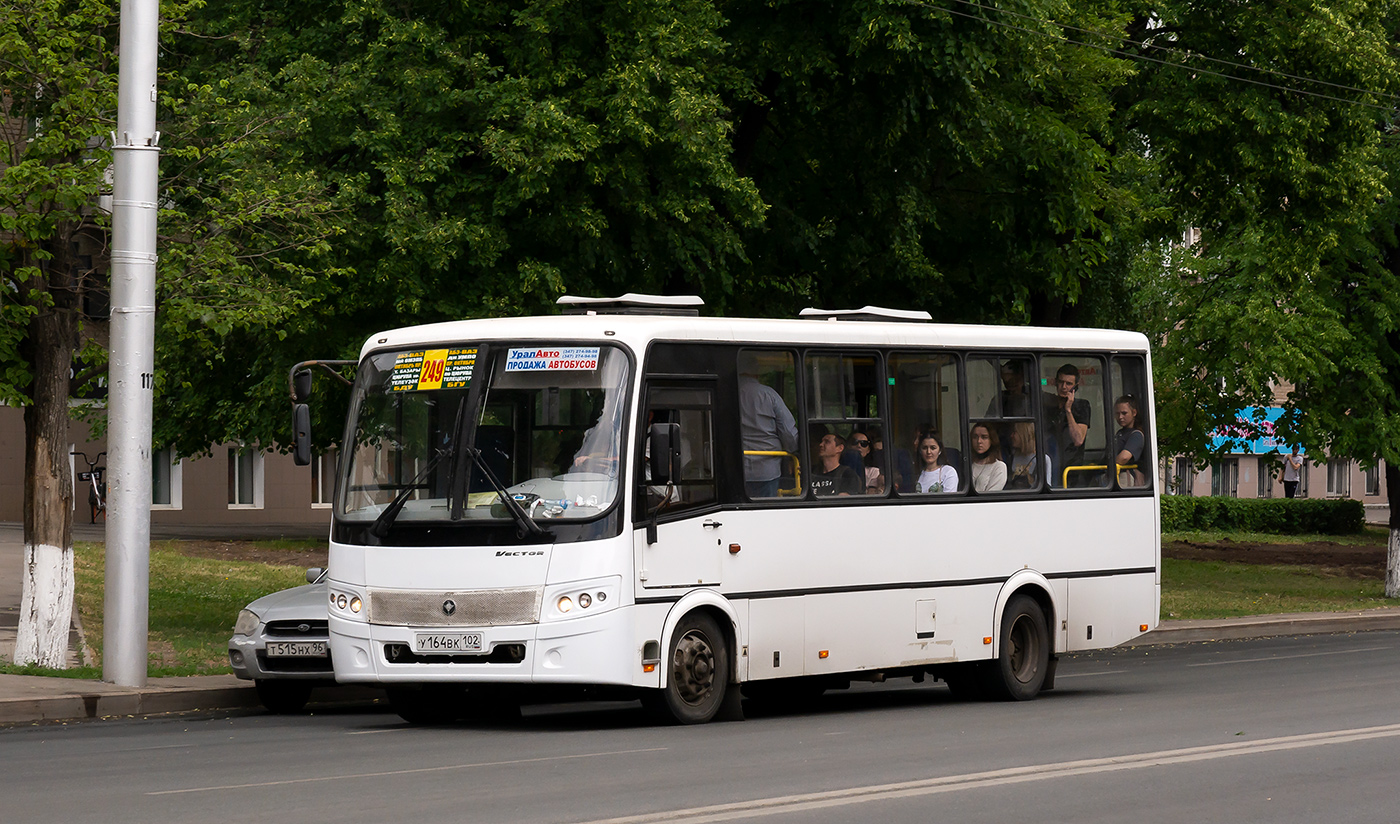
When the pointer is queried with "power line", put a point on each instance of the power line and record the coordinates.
(1144, 58)
(1208, 58)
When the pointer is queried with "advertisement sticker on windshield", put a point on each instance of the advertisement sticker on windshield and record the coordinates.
(541, 359)
(432, 369)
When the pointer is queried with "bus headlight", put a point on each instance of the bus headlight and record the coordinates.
(582, 598)
(346, 604)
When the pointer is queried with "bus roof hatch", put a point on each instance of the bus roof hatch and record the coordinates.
(867, 313)
(632, 304)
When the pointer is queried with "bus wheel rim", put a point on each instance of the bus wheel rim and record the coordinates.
(694, 667)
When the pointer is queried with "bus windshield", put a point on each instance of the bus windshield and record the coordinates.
(545, 425)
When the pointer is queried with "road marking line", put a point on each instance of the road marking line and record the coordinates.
(1059, 676)
(418, 770)
(1287, 657)
(377, 732)
(779, 805)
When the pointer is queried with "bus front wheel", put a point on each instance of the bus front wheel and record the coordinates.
(698, 672)
(1020, 667)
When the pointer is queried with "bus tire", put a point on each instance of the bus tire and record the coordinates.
(1020, 668)
(699, 671)
(427, 703)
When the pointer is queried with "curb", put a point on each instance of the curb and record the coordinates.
(1269, 626)
(30, 698)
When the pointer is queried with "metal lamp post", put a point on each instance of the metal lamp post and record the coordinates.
(131, 375)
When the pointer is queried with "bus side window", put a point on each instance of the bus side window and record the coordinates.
(1076, 428)
(999, 400)
(926, 431)
(773, 465)
(843, 414)
(1131, 449)
(694, 484)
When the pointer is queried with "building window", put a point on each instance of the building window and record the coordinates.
(323, 479)
(1182, 478)
(166, 477)
(245, 479)
(1339, 478)
(1225, 478)
(1373, 480)
(1267, 470)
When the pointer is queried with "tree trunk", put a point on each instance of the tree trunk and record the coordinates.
(1392, 556)
(46, 600)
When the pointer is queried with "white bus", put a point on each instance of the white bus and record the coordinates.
(632, 497)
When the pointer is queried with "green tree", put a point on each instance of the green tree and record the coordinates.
(234, 215)
(1282, 150)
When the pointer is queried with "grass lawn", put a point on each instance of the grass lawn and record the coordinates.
(193, 604)
(1224, 589)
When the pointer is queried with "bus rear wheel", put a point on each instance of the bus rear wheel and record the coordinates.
(698, 672)
(1023, 662)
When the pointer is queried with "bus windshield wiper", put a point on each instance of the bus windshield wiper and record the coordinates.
(523, 521)
(386, 519)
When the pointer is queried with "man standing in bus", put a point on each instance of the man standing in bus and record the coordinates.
(835, 478)
(1068, 420)
(765, 425)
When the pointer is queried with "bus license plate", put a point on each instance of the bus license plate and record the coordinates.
(296, 649)
(452, 642)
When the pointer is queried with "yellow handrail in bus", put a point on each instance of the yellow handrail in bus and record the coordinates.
(1087, 468)
(796, 468)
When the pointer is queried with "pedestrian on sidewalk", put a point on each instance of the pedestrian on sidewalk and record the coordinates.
(1292, 467)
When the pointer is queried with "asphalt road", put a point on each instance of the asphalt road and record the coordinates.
(1278, 730)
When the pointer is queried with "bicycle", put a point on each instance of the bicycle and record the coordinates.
(97, 489)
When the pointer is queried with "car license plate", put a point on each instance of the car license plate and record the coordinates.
(447, 642)
(296, 649)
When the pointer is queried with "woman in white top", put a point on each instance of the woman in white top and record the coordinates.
(1026, 466)
(933, 475)
(988, 470)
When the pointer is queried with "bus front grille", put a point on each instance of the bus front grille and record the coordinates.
(463, 608)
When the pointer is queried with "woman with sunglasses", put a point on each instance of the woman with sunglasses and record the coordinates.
(864, 442)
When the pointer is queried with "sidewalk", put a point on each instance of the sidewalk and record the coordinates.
(28, 699)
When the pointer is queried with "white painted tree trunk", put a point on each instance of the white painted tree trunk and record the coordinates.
(46, 607)
(1392, 564)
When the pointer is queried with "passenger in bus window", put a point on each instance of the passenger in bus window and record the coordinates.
(1015, 400)
(1068, 417)
(834, 477)
(934, 475)
(864, 443)
(988, 470)
(765, 425)
(1024, 472)
(1129, 442)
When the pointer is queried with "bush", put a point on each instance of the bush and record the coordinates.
(1283, 516)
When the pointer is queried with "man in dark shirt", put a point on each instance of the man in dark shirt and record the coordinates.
(1068, 420)
(834, 477)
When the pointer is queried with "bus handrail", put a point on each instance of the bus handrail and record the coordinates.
(1093, 467)
(796, 467)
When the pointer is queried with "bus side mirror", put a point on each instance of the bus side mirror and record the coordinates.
(301, 386)
(301, 432)
(664, 442)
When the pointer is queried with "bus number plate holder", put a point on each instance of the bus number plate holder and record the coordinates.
(447, 642)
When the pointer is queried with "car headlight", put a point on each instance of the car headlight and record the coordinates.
(247, 622)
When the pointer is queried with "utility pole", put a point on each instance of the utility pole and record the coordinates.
(131, 373)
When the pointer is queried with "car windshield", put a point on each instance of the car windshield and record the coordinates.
(546, 425)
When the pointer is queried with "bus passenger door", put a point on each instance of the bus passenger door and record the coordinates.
(689, 544)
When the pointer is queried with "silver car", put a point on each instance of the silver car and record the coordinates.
(282, 644)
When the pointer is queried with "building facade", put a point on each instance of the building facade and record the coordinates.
(233, 486)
